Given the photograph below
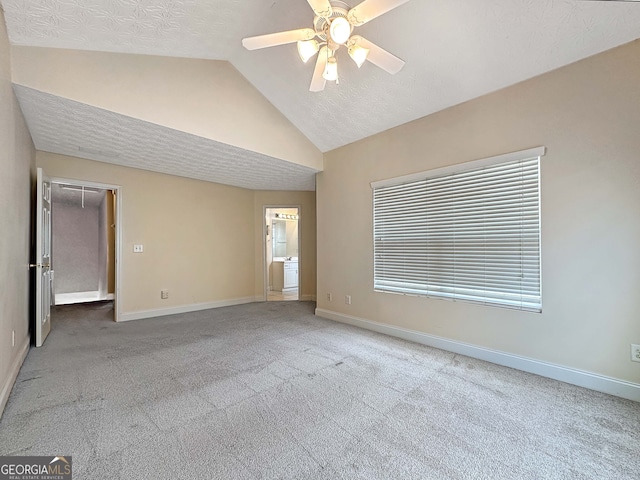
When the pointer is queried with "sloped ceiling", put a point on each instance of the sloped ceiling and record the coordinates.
(455, 50)
(76, 129)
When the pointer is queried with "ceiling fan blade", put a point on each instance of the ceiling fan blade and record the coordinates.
(280, 38)
(370, 9)
(379, 56)
(318, 82)
(321, 8)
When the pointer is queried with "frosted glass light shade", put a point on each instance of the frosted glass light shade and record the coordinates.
(358, 54)
(331, 70)
(340, 30)
(307, 49)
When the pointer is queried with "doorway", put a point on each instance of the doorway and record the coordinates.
(282, 253)
(84, 242)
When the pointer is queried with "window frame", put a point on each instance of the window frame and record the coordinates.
(523, 155)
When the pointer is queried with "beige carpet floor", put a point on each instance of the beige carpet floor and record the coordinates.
(269, 391)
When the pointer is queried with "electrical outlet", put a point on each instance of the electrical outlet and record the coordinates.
(138, 248)
(329, 297)
(635, 353)
(164, 294)
(347, 299)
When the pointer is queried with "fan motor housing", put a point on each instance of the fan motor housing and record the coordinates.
(321, 24)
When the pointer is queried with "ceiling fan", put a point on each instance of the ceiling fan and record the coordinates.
(333, 26)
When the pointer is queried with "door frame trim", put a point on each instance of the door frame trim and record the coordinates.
(118, 237)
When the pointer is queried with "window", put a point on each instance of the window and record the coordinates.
(468, 232)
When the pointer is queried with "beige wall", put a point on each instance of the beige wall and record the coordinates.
(197, 236)
(307, 248)
(17, 157)
(207, 98)
(588, 116)
(202, 241)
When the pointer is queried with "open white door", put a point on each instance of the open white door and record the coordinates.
(44, 274)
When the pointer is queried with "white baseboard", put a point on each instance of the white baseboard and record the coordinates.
(194, 307)
(13, 374)
(581, 378)
(77, 297)
(81, 297)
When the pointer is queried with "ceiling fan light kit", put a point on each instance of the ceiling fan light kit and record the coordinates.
(340, 30)
(307, 49)
(333, 25)
(358, 54)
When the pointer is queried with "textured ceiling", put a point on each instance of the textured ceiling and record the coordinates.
(71, 128)
(455, 50)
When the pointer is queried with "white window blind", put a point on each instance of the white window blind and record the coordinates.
(470, 232)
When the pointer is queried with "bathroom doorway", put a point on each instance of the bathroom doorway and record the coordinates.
(282, 250)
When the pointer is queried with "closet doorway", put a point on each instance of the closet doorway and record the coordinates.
(84, 241)
(282, 251)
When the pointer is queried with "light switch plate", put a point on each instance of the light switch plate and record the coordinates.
(138, 248)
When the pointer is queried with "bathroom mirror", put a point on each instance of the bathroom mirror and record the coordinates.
(279, 229)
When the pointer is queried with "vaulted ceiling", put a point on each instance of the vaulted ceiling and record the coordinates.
(454, 50)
